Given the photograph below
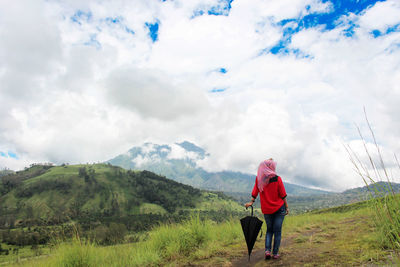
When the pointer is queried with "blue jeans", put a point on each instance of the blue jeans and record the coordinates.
(274, 228)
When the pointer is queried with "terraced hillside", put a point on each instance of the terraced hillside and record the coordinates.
(48, 195)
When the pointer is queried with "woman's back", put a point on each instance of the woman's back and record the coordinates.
(271, 198)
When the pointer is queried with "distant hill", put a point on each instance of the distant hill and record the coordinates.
(307, 203)
(49, 195)
(377, 187)
(179, 162)
(304, 203)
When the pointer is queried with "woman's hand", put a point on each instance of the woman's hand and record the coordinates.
(248, 204)
(287, 211)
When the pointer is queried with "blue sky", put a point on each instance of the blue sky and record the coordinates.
(327, 20)
(153, 30)
(8, 154)
(336, 14)
(244, 80)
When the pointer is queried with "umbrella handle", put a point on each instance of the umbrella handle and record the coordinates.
(251, 210)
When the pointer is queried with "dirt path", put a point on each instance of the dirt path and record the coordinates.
(287, 258)
(257, 257)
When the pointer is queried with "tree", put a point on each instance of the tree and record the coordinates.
(82, 172)
(29, 212)
(116, 233)
(115, 205)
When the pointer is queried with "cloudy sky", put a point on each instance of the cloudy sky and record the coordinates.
(83, 81)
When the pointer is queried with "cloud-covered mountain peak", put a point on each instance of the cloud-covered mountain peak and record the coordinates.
(190, 147)
(178, 161)
(150, 150)
(148, 153)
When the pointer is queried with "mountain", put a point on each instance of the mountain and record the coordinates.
(51, 195)
(179, 162)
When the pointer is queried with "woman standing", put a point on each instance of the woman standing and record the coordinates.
(273, 204)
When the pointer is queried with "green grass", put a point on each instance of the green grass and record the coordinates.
(343, 236)
(195, 239)
(387, 220)
(16, 254)
(68, 171)
(384, 202)
(211, 201)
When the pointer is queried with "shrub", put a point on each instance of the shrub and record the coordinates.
(113, 234)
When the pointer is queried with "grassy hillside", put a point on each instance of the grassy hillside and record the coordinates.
(56, 194)
(47, 198)
(343, 236)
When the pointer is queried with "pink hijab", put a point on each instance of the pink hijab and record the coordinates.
(266, 171)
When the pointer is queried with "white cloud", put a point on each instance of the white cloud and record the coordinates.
(86, 92)
(153, 94)
(148, 148)
(178, 152)
(381, 16)
(142, 160)
(30, 50)
(317, 6)
(12, 163)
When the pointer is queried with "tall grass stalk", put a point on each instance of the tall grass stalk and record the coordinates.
(384, 201)
(194, 239)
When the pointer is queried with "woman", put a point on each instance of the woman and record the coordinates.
(273, 204)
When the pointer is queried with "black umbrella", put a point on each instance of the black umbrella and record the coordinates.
(251, 225)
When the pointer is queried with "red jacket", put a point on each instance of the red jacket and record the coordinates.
(271, 198)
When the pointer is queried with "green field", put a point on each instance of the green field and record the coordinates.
(341, 236)
(102, 215)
